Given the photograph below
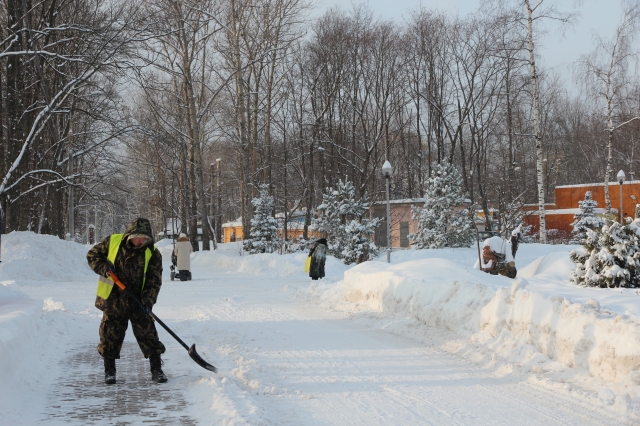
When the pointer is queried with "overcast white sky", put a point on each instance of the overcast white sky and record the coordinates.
(555, 50)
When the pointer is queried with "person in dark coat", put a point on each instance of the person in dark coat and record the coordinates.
(127, 260)
(318, 255)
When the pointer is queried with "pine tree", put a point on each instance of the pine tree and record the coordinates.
(443, 222)
(610, 258)
(585, 219)
(344, 221)
(358, 246)
(263, 225)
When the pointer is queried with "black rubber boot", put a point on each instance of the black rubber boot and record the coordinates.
(157, 374)
(109, 371)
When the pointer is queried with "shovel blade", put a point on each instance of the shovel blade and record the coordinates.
(198, 359)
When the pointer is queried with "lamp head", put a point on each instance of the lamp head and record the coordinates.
(621, 177)
(387, 169)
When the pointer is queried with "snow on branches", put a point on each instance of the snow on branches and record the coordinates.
(585, 219)
(264, 226)
(343, 220)
(610, 258)
(443, 221)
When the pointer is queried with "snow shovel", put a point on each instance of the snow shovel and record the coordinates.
(191, 350)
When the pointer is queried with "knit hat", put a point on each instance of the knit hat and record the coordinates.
(182, 235)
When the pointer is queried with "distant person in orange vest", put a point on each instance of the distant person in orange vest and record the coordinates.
(183, 251)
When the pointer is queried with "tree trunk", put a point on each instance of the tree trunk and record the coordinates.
(535, 106)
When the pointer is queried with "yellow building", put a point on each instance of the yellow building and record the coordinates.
(232, 231)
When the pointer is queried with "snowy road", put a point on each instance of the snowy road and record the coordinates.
(282, 361)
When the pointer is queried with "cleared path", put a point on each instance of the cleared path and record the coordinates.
(283, 362)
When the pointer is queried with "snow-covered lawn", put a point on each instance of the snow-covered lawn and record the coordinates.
(425, 340)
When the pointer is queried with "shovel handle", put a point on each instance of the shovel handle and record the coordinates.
(116, 280)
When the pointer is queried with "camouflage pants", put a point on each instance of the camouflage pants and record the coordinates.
(117, 311)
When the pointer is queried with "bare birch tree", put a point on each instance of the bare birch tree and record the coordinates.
(606, 78)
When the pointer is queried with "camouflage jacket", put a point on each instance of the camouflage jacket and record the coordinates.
(129, 263)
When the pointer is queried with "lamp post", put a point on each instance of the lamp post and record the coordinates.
(213, 207)
(71, 201)
(621, 178)
(386, 172)
(219, 205)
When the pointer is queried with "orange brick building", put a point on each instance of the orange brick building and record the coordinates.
(559, 216)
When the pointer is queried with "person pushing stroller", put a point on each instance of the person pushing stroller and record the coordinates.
(181, 257)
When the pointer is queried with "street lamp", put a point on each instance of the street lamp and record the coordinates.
(620, 177)
(71, 201)
(219, 204)
(386, 172)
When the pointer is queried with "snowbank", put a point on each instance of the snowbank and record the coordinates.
(19, 322)
(539, 321)
(56, 259)
(500, 311)
(230, 260)
(30, 259)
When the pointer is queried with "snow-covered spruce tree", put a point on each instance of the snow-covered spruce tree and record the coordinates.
(263, 225)
(443, 221)
(610, 258)
(344, 221)
(585, 219)
(358, 246)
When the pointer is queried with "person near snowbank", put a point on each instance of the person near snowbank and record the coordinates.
(182, 251)
(134, 259)
(318, 255)
(498, 255)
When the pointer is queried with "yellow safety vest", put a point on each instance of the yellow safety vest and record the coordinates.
(105, 285)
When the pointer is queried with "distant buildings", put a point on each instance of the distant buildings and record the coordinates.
(559, 216)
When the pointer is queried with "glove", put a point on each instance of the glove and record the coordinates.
(146, 309)
(110, 269)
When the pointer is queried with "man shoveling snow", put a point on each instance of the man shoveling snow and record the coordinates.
(133, 257)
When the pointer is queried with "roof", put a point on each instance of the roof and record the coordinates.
(612, 183)
(404, 201)
(234, 224)
(568, 211)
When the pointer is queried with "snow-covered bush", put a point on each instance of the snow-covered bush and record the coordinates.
(585, 219)
(610, 258)
(443, 221)
(344, 221)
(263, 225)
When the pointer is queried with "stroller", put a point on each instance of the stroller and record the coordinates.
(174, 272)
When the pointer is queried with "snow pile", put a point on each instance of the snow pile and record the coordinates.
(538, 321)
(19, 323)
(271, 264)
(56, 259)
(29, 259)
(9, 294)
